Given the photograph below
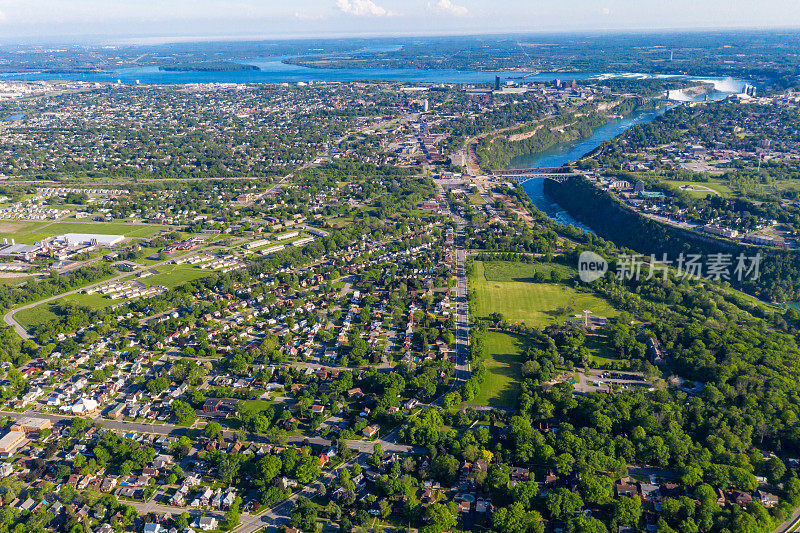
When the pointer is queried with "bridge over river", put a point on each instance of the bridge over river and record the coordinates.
(521, 175)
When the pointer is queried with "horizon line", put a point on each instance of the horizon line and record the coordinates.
(143, 39)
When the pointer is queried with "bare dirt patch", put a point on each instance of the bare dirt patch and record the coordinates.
(9, 226)
(522, 213)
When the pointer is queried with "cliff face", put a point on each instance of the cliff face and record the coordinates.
(614, 221)
(779, 270)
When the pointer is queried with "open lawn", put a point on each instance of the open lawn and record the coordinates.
(602, 355)
(720, 186)
(535, 304)
(504, 370)
(173, 275)
(44, 312)
(255, 407)
(31, 232)
(35, 316)
(518, 271)
(16, 280)
(476, 199)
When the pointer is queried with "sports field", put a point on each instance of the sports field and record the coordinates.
(504, 371)
(535, 304)
(30, 232)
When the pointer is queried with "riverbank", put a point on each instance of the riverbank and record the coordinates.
(498, 151)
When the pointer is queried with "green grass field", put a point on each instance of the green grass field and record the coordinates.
(34, 316)
(44, 313)
(504, 371)
(31, 232)
(602, 355)
(476, 199)
(507, 271)
(257, 406)
(718, 185)
(173, 275)
(17, 280)
(535, 304)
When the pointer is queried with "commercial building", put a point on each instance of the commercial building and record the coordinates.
(30, 424)
(87, 239)
(20, 251)
(11, 442)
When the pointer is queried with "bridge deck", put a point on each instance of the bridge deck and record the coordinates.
(522, 175)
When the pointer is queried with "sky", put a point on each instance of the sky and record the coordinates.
(50, 19)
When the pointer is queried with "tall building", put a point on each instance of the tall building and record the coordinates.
(497, 83)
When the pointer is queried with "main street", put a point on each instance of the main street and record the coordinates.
(462, 368)
(462, 304)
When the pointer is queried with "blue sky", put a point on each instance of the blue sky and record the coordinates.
(284, 18)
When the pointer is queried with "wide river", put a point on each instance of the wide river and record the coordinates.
(274, 70)
(563, 153)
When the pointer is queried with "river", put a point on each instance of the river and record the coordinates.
(564, 153)
(13, 118)
(275, 70)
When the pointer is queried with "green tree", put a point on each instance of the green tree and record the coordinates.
(439, 518)
(308, 470)
(563, 503)
(183, 412)
(213, 430)
(627, 511)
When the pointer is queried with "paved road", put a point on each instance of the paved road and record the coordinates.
(271, 519)
(790, 524)
(462, 322)
(462, 368)
(281, 513)
(177, 431)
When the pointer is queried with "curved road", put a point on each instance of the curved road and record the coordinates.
(9, 319)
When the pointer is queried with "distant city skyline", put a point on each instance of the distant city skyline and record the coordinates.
(198, 19)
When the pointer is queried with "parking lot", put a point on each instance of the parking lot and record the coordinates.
(609, 381)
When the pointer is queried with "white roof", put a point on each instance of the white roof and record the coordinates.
(87, 238)
(84, 405)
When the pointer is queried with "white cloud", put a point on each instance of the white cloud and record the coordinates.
(448, 7)
(606, 11)
(2, 17)
(362, 8)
